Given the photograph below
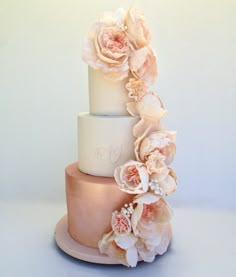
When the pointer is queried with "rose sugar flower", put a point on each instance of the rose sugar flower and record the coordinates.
(107, 47)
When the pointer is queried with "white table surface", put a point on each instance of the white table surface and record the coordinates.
(203, 244)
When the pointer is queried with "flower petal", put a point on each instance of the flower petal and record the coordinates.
(166, 237)
(137, 58)
(125, 242)
(141, 128)
(132, 256)
(104, 242)
(151, 106)
(135, 218)
(168, 184)
(147, 198)
(144, 253)
(131, 108)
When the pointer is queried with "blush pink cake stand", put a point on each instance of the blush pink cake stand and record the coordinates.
(77, 250)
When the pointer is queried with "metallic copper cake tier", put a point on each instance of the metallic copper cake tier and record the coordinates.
(90, 203)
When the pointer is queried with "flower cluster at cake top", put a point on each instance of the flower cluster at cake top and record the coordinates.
(119, 45)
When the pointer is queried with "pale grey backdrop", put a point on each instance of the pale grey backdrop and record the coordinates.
(43, 85)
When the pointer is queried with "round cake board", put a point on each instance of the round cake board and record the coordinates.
(77, 250)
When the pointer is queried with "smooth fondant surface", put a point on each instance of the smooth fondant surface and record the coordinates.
(104, 143)
(90, 203)
(106, 97)
(77, 250)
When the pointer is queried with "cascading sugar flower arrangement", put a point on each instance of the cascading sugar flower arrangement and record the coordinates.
(119, 45)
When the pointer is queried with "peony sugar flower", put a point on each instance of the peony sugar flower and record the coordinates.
(151, 224)
(148, 249)
(120, 224)
(132, 177)
(163, 141)
(151, 210)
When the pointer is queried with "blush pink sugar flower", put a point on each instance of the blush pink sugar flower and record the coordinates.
(143, 65)
(137, 29)
(107, 47)
(132, 177)
(120, 224)
(163, 141)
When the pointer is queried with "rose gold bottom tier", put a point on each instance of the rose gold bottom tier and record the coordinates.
(90, 203)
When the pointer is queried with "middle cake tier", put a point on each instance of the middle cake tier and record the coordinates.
(104, 142)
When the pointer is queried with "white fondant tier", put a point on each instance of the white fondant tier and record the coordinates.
(104, 142)
(106, 97)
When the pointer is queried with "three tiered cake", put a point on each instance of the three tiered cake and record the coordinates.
(116, 193)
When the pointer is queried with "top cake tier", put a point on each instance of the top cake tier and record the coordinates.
(106, 97)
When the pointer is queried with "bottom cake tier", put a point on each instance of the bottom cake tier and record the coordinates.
(90, 203)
